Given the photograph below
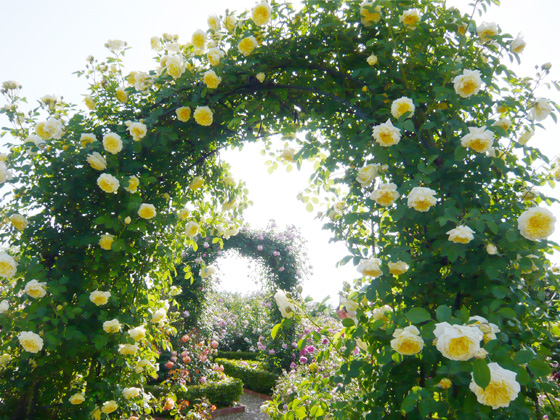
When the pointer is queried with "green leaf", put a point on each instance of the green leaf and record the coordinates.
(523, 356)
(418, 315)
(481, 373)
(443, 313)
(275, 330)
(409, 403)
(539, 368)
(507, 313)
(348, 322)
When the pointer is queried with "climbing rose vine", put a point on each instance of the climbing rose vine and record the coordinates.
(421, 139)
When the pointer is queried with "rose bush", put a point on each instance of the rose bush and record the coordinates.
(460, 157)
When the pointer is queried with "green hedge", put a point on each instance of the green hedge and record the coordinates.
(252, 374)
(221, 393)
(237, 355)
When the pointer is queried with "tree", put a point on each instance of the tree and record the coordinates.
(410, 101)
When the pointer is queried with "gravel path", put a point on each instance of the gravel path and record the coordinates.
(252, 409)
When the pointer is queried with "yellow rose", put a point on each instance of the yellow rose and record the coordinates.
(183, 113)
(486, 30)
(90, 103)
(133, 183)
(502, 389)
(461, 235)
(77, 399)
(132, 392)
(199, 39)
(159, 315)
(398, 268)
(203, 115)
(18, 221)
(191, 229)
(109, 406)
(457, 342)
(87, 138)
(260, 77)
(372, 60)
(183, 213)
(112, 143)
(230, 22)
(369, 14)
(211, 79)
(99, 298)
(479, 139)
(8, 265)
(367, 174)
(407, 341)
(410, 18)
(401, 106)
(246, 46)
(468, 83)
(370, 267)
(35, 289)
(385, 195)
(214, 22)
(175, 66)
(112, 326)
(106, 241)
(214, 56)
(30, 341)
(421, 198)
(536, 223)
(97, 161)
(386, 134)
(137, 333)
(127, 220)
(261, 13)
(444, 384)
(147, 211)
(137, 130)
(122, 96)
(379, 313)
(108, 183)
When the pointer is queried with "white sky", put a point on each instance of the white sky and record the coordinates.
(45, 41)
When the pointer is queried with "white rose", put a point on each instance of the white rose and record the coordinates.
(287, 309)
(127, 349)
(207, 271)
(517, 45)
(486, 30)
(99, 298)
(4, 306)
(540, 110)
(367, 174)
(112, 326)
(5, 174)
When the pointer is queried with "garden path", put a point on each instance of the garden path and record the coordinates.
(252, 405)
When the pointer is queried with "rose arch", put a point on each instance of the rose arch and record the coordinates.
(420, 135)
(282, 261)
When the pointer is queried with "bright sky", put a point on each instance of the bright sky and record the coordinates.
(45, 41)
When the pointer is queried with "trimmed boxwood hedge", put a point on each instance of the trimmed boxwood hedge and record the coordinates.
(221, 393)
(237, 355)
(252, 374)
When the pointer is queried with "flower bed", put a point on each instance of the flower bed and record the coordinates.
(252, 374)
(238, 355)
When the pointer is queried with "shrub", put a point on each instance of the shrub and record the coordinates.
(237, 355)
(221, 393)
(252, 374)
